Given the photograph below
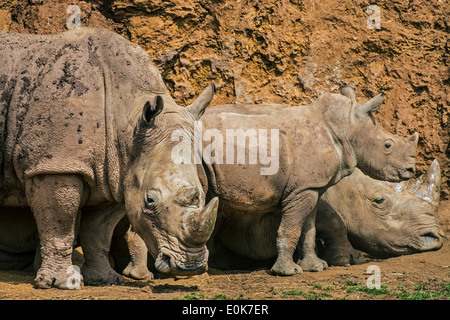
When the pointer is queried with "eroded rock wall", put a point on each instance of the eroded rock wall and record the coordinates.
(284, 51)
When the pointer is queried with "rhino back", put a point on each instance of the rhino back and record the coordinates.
(52, 101)
(308, 158)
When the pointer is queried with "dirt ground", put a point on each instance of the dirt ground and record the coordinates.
(418, 276)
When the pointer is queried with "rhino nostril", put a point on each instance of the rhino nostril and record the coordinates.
(411, 169)
(166, 259)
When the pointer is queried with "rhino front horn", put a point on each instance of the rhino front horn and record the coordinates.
(428, 185)
(431, 182)
(202, 224)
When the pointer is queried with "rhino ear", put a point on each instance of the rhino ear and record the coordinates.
(152, 109)
(348, 91)
(197, 108)
(370, 106)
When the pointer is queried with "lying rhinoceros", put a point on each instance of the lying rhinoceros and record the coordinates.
(383, 219)
(85, 126)
(319, 145)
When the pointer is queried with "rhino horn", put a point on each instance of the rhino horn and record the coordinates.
(431, 183)
(197, 108)
(370, 106)
(428, 185)
(203, 222)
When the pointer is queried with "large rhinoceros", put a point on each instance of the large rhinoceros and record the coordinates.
(319, 144)
(85, 126)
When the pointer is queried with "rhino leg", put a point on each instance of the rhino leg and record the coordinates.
(307, 247)
(55, 201)
(296, 208)
(337, 248)
(137, 268)
(96, 230)
(341, 253)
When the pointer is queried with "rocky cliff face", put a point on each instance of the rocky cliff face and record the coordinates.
(280, 51)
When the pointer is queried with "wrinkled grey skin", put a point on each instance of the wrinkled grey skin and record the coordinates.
(319, 145)
(405, 222)
(85, 124)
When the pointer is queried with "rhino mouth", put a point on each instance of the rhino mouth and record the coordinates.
(431, 241)
(173, 263)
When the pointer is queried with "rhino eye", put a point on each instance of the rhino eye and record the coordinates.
(149, 200)
(387, 145)
(379, 200)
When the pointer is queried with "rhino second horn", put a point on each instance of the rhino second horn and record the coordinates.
(348, 91)
(202, 224)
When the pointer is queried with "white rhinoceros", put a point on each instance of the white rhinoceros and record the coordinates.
(384, 219)
(85, 126)
(388, 219)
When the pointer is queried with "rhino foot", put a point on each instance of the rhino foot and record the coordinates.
(137, 272)
(357, 257)
(283, 268)
(46, 279)
(95, 277)
(312, 263)
(339, 258)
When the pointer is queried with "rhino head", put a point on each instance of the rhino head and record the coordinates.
(388, 219)
(379, 154)
(165, 201)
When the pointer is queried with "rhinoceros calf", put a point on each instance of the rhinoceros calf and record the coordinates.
(319, 145)
(408, 218)
(85, 126)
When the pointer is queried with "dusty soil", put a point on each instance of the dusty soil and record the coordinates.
(418, 276)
